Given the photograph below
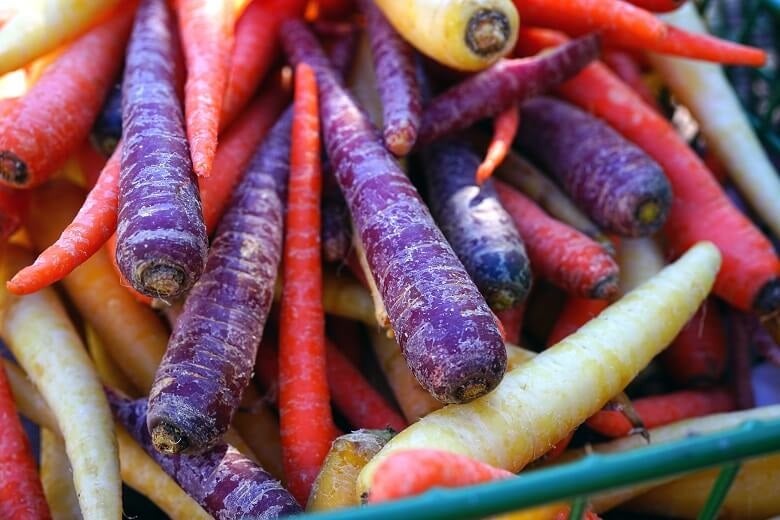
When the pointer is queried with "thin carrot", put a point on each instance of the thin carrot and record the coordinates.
(505, 127)
(33, 144)
(660, 410)
(304, 400)
(685, 44)
(21, 493)
(13, 204)
(750, 277)
(57, 478)
(92, 162)
(626, 68)
(85, 235)
(206, 29)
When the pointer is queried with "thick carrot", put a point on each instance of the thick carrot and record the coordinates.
(505, 127)
(700, 210)
(627, 69)
(206, 29)
(658, 6)
(111, 249)
(660, 410)
(32, 143)
(57, 478)
(92, 226)
(566, 384)
(21, 493)
(559, 253)
(13, 204)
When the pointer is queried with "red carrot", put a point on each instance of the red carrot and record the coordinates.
(33, 143)
(697, 357)
(206, 29)
(559, 253)
(658, 6)
(90, 229)
(512, 323)
(505, 127)
(304, 400)
(13, 204)
(21, 492)
(627, 69)
(576, 313)
(92, 163)
(749, 276)
(660, 410)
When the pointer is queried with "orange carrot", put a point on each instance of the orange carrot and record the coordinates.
(576, 313)
(48, 123)
(92, 163)
(90, 229)
(21, 492)
(13, 204)
(304, 400)
(658, 6)
(235, 150)
(679, 42)
(206, 29)
(505, 127)
(626, 68)
(558, 252)
(749, 277)
(660, 410)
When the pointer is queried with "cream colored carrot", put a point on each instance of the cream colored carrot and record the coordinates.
(57, 478)
(345, 297)
(539, 403)
(38, 331)
(639, 259)
(28, 400)
(106, 368)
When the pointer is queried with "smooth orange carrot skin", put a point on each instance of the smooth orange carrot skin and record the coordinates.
(90, 229)
(750, 275)
(206, 29)
(702, 47)
(13, 204)
(235, 150)
(34, 142)
(505, 127)
(660, 410)
(304, 402)
(698, 356)
(21, 492)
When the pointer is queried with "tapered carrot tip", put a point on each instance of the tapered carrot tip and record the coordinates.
(768, 298)
(606, 289)
(400, 140)
(169, 439)
(488, 32)
(12, 169)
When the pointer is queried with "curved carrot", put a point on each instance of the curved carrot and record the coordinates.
(627, 69)
(33, 144)
(13, 204)
(505, 127)
(750, 276)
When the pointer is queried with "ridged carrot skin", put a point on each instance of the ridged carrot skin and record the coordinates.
(210, 356)
(493, 90)
(13, 204)
(563, 386)
(33, 144)
(440, 319)
(161, 238)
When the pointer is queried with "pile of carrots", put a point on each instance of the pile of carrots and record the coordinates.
(261, 257)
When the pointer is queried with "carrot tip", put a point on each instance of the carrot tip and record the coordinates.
(399, 141)
(606, 288)
(12, 169)
(169, 439)
(768, 298)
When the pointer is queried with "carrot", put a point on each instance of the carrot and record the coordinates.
(660, 410)
(559, 253)
(13, 204)
(32, 143)
(111, 245)
(639, 259)
(512, 321)
(206, 30)
(91, 163)
(33, 326)
(505, 127)
(658, 6)
(57, 478)
(700, 209)
(235, 150)
(29, 401)
(573, 377)
(259, 428)
(627, 69)
(576, 313)
(336, 222)
(21, 493)
(344, 296)
(106, 368)
(107, 128)
(94, 223)
(34, 31)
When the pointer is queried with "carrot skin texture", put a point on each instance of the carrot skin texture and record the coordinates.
(13, 204)
(224, 482)
(437, 313)
(32, 143)
(623, 189)
(559, 253)
(476, 225)
(21, 492)
(209, 359)
(396, 81)
(161, 238)
(493, 90)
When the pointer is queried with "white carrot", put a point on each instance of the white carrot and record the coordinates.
(57, 478)
(639, 259)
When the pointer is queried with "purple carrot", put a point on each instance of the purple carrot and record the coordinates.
(342, 52)
(495, 89)
(396, 81)
(613, 180)
(222, 480)
(336, 224)
(161, 238)
(765, 344)
(445, 328)
(479, 229)
(107, 128)
(740, 331)
(212, 350)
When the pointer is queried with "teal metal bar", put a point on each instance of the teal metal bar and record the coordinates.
(594, 473)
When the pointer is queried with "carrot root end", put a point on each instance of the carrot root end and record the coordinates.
(162, 280)
(488, 32)
(169, 439)
(13, 170)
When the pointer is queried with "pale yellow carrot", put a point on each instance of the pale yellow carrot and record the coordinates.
(639, 259)
(539, 403)
(28, 400)
(106, 368)
(259, 428)
(38, 331)
(380, 313)
(344, 296)
(57, 478)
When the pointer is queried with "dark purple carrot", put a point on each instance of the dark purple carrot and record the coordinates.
(161, 238)
(222, 480)
(739, 334)
(210, 355)
(336, 223)
(107, 128)
(614, 181)
(445, 328)
(476, 225)
(493, 90)
(395, 80)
